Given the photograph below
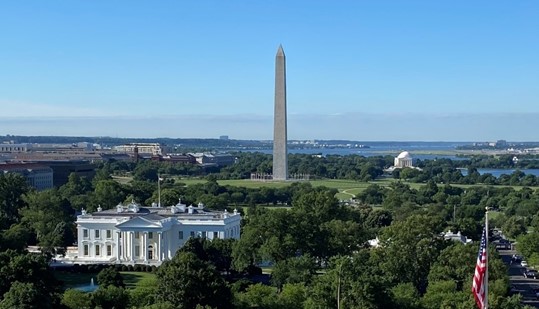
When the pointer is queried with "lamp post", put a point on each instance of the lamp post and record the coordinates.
(339, 273)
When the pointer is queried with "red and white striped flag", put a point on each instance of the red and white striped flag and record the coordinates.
(479, 285)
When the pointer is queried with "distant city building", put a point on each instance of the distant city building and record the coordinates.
(10, 148)
(403, 160)
(63, 168)
(217, 159)
(143, 148)
(176, 158)
(132, 234)
(38, 176)
(223, 137)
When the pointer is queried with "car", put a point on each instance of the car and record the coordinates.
(524, 264)
(531, 273)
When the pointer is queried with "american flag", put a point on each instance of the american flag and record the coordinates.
(479, 284)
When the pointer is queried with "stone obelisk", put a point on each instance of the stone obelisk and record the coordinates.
(280, 160)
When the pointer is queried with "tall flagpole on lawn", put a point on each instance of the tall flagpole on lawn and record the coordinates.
(487, 260)
(158, 190)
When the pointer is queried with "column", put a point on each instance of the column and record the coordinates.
(132, 245)
(160, 235)
(145, 247)
(165, 246)
(118, 245)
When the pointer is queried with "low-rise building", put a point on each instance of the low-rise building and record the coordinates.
(141, 149)
(133, 234)
(38, 176)
(215, 159)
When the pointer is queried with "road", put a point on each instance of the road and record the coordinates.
(517, 279)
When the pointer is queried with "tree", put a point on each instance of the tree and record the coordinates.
(24, 296)
(186, 281)
(111, 297)
(51, 218)
(258, 296)
(455, 263)
(75, 299)
(144, 294)
(408, 248)
(28, 268)
(528, 244)
(405, 296)
(444, 294)
(12, 188)
(107, 193)
(293, 270)
(110, 276)
(514, 226)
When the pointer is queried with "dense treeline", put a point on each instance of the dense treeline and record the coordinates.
(352, 167)
(317, 247)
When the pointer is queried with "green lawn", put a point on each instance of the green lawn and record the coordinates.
(132, 278)
(347, 188)
(71, 280)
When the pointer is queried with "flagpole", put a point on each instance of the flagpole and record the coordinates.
(487, 260)
(159, 190)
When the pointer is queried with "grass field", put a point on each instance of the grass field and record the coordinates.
(347, 188)
(132, 278)
(71, 280)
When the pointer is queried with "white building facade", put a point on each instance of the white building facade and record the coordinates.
(147, 235)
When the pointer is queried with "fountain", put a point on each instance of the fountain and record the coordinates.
(87, 287)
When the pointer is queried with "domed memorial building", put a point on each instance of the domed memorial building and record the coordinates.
(403, 160)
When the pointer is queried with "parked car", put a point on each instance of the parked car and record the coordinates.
(524, 264)
(531, 273)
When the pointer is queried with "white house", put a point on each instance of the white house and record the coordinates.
(133, 234)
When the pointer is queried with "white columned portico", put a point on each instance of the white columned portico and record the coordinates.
(145, 247)
(159, 246)
(124, 246)
(132, 246)
(118, 245)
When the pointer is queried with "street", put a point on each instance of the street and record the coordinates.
(524, 285)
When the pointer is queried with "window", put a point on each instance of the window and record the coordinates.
(96, 234)
(150, 235)
(204, 234)
(180, 234)
(109, 250)
(97, 250)
(192, 234)
(84, 233)
(86, 249)
(137, 250)
(215, 235)
(109, 234)
(137, 235)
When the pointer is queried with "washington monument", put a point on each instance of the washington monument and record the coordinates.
(280, 160)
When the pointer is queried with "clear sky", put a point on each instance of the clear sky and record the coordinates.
(361, 70)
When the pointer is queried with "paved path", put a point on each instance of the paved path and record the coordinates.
(345, 192)
(517, 279)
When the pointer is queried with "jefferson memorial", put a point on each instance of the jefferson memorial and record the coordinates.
(131, 234)
(403, 160)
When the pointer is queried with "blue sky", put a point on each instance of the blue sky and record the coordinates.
(362, 70)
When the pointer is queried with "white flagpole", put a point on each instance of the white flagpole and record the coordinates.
(487, 262)
(159, 190)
